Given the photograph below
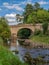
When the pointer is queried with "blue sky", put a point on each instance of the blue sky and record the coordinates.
(17, 6)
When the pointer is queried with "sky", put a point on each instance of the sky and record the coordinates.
(12, 7)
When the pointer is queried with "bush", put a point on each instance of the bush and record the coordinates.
(47, 33)
(45, 27)
(37, 32)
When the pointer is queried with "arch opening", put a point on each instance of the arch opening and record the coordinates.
(24, 33)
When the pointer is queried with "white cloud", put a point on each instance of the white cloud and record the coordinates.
(13, 6)
(43, 2)
(17, 6)
(11, 17)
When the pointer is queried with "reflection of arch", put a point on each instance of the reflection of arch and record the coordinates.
(24, 33)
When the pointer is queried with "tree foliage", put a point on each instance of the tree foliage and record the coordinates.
(36, 6)
(45, 27)
(28, 11)
(4, 29)
(1, 41)
(35, 14)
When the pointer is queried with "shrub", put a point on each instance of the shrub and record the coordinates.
(47, 33)
(37, 32)
(45, 27)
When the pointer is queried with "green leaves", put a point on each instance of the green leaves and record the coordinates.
(27, 12)
(40, 16)
(7, 58)
(4, 29)
(45, 27)
(35, 14)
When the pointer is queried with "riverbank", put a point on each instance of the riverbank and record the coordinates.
(40, 41)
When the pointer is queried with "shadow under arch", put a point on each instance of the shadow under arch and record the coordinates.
(24, 33)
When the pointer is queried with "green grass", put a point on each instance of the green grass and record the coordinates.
(40, 39)
(7, 58)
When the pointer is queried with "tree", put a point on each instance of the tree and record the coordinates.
(4, 29)
(28, 11)
(38, 17)
(36, 6)
(32, 18)
(35, 14)
(42, 16)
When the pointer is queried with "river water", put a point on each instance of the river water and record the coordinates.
(34, 52)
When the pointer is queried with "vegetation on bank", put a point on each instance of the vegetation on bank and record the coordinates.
(4, 30)
(7, 58)
(41, 36)
(38, 36)
(44, 39)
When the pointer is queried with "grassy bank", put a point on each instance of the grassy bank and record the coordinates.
(7, 58)
(40, 39)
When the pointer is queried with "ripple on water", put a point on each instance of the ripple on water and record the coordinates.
(34, 52)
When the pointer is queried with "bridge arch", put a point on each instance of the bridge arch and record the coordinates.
(14, 29)
(24, 33)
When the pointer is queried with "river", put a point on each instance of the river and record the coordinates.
(34, 52)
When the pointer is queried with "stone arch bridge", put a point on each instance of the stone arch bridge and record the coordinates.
(15, 28)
